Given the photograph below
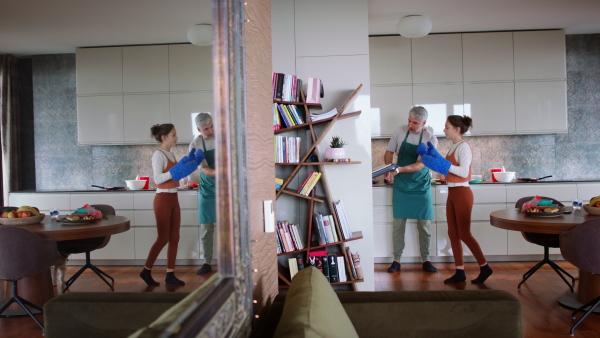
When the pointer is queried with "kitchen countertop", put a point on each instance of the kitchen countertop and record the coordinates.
(88, 191)
(489, 182)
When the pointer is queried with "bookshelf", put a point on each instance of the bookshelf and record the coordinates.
(310, 159)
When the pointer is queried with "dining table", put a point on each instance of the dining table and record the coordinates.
(512, 219)
(38, 289)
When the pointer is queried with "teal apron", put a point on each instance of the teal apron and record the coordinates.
(207, 209)
(412, 197)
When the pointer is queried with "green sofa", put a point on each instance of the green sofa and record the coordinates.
(312, 309)
(116, 314)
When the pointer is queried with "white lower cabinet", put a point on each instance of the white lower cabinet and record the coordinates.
(188, 247)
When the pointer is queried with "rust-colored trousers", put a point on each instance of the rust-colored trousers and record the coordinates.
(168, 222)
(458, 215)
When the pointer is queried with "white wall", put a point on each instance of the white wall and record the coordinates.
(341, 61)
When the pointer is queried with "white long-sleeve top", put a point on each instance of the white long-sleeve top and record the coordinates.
(464, 157)
(159, 164)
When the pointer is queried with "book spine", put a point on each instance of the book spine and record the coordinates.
(341, 265)
(328, 231)
(300, 260)
(334, 230)
(293, 264)
(320, 232)
(286, 121)
(312, 183)
(326, 271)
(351, 264)
(281, 232)
(333, 269)
(357, 267)
(279, 87)
(313, 175)
(346, 223)
(305, 181)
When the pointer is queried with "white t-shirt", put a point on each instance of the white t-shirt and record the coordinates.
(398, 137)
(197, 143)
(159, 164)
(464, 157)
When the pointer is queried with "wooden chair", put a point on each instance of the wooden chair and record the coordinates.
(24, 254)
(580, 247)
(86, 246)
(547, 241)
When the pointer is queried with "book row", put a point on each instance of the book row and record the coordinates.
(286, 115)
(333, 266)
(286, 87)
(287, 149)
(309, 183)
(288, 237)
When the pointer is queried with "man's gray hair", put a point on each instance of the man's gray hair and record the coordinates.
(418, 112)
(203, 119)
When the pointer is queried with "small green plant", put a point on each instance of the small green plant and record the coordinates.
(337, 142)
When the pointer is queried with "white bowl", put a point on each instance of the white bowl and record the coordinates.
(476, 177)
(135, 184)
(506, 176)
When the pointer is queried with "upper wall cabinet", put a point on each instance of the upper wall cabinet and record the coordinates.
(190, 68)
(390, 50)
(540, 55)
(508, 82)
(99, 70)
(146, 69)
(122, 91)
(488, 57)
(437, 58)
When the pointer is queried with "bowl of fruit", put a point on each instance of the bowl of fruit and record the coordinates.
(24, 215)
(593, 208)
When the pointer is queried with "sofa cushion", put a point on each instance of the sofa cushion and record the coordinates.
(312, 309)
(172, 314)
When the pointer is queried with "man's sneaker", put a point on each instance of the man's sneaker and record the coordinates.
(427, 266)
(206, 268)
(394, 267)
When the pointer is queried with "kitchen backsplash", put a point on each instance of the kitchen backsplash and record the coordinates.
(571, 156)
(62, 164)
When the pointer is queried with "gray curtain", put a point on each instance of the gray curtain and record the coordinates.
(9, 130)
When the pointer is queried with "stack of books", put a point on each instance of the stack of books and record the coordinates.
(287, 149)
(286, 87)
(340, 214)
(354, 262)
(286, 115)
(309, 183)
(288, 237)
(322, 116)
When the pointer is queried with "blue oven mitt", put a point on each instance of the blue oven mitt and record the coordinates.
(199, 156)
(189, 156)
(422, 149)
(183, 168)
(434, 161)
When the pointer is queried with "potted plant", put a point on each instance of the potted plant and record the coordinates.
(336, 150)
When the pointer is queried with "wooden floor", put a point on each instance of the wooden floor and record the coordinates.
(542, 315)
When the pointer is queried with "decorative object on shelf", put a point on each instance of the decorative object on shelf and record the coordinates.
(414, 26)
(336, 150)
(200, 34)
(314, 90)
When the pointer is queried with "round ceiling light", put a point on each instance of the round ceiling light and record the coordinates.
(200, 35)
(414, 26)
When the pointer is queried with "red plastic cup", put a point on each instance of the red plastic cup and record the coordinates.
(496, 171)
(147, 179)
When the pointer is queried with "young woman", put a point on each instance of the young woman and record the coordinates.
(167, 173)
(457, 168)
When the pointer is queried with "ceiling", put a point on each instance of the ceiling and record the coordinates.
(29, 27)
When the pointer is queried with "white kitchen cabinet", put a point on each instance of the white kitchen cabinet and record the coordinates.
(118, 200)
(539, 55)
(100, 119)
(488, 57)
(440, 100)
(140, 112)
(389, 108)
(541, 107)
(44, 202)
(482, 193)
(585, 191)
(146, 69)
(182, 106)
(492, 240)
(99, 70)
(188, 248)
(190, 68)
(491, 106)
(390, 60)
(562, 192)
(120, 246)
(437, 58)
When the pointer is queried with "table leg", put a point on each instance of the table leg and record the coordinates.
(588, 289)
